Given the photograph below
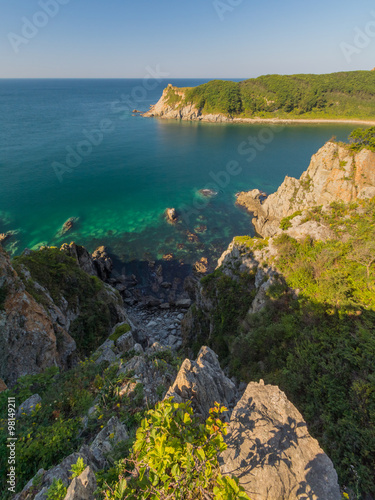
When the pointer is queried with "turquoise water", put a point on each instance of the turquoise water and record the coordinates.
(124, 183)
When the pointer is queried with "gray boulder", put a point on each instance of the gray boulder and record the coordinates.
(272, 453)
(125, 343)
(112, 434)
(29, 405)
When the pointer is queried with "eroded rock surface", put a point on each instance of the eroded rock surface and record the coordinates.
(272, 453)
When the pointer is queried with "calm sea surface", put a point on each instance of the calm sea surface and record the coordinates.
(118, 181)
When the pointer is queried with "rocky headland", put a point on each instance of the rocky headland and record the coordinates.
(335, 174)
(178, 104)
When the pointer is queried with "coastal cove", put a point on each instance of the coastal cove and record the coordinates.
(120, 190)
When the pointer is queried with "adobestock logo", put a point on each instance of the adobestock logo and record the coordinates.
(223, 7)
(362, 39)
(31, 27)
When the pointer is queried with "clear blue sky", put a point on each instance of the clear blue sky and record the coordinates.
(120, 38)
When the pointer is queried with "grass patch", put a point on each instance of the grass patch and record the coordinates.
(120, 330)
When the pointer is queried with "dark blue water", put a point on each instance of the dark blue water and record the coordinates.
(71, 148)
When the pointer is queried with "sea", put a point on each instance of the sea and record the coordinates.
(76, 149)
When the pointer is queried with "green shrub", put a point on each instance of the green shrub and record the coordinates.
(120, 330)
(78, 468)
(176, 457)
(285, 223)
(57, 490)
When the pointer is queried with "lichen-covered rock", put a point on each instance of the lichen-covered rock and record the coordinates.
(82, 487)
(112, 434)
(203, 382)
(29, 405)
(272, 453)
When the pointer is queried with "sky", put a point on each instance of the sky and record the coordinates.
(191, 39)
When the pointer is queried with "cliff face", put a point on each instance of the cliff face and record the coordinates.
(29, 340)
(176, 109)
(334, 174)
(45, 307)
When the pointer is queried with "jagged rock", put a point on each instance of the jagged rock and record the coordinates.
(29, 405)
(138, 349)
(103, 263)
(334, 174)
(204, 382)
(59, 472)
(82, 487)
(271, 451)
(82, 257)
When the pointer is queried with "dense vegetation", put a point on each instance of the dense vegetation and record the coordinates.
(336, 95)
(319, 346)
(363, 138)
(175, 457)
(56, 427)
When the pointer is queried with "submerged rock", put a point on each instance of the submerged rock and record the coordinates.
(271, 451)
(68, 226)
(208, 193)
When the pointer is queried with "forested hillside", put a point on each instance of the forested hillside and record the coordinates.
(336, 95)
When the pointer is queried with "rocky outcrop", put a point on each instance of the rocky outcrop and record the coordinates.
(81, 256)
(94, 456)
(203, 382)
(272, 453)
(164, 108)
(30, 341)
(335, 174)
(102, 263)
(98, 264)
